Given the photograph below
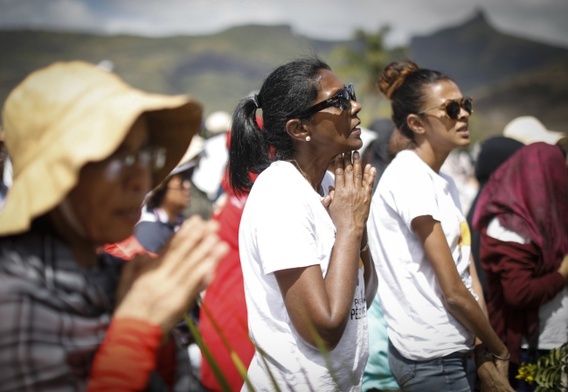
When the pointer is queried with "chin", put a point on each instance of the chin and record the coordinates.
(117, 235)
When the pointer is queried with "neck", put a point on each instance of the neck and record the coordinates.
(171, 211)
(312, 172)
(433, 158)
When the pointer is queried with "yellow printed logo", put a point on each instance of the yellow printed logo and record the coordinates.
(465, 238)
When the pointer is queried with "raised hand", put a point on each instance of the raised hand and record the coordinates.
(162, 290)
(353, 190)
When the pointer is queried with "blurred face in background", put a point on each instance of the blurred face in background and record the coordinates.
(178, 194)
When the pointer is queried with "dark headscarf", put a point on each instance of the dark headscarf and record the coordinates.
(494, 151)
(529, 195)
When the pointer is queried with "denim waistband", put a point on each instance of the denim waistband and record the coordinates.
(459, 354)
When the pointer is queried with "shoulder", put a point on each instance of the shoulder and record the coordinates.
(275, 180)
(405, 173)
(153, 235)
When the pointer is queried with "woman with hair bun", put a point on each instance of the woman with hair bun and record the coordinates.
(420, 241)
(308, 276)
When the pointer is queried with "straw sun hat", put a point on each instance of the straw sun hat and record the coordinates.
(71, 113)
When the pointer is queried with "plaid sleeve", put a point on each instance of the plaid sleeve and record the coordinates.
(48, 333)
(32, 356)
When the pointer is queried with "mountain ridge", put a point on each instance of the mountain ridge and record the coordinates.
(219, 69)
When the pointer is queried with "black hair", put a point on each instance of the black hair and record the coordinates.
(158, 194)
(403, 82)
(286, 93)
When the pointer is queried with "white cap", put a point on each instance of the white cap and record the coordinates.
(527, 130)
(218, 122)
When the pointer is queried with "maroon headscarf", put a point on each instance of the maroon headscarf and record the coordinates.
(529, 195)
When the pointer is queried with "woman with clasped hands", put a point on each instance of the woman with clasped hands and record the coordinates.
(86, 149)
(307, 272)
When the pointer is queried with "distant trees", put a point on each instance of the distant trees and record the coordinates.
(361, 62)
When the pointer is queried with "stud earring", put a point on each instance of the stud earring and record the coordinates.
(308, 138)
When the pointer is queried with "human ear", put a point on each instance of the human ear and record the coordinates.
(415, 123)
(297, 129)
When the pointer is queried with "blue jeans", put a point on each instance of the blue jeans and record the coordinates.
(440, 374)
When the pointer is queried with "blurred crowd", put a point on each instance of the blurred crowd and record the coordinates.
(93, 239)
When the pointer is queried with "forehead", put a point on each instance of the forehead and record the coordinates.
(329, 84)
(441, 91)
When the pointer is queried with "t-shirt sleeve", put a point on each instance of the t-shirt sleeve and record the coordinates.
(285, 233)
(153, 236)
(412, 197)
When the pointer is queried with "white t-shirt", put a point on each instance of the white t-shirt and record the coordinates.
(209, 174)
(419, 325)
(284, 225)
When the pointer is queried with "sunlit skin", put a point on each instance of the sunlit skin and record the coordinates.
(436, 134)
(107, 199)
(312, 301)
(331, 130)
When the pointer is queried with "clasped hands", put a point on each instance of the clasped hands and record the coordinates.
(349, 201)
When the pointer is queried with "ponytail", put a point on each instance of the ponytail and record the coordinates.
(247, 151)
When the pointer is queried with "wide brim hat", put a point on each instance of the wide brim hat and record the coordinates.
(70, 113)
(528, 130)
(190, 158)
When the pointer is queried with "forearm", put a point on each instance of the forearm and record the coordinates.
(127, 357)
(457, 299)
(463, 306)
(476, 287)
(342, 275)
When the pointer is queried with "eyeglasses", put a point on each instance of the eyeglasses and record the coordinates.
(452, 107)
(153, 157)
(184, 185)
(342, 99)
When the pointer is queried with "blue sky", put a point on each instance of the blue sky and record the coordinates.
(542, 20)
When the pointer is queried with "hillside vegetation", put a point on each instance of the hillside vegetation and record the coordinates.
(507, 76)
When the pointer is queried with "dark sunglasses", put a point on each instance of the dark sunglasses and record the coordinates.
(342, 99)
(452, 107)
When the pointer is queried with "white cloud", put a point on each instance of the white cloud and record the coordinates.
(333, 19)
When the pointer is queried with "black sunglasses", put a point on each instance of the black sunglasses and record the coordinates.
(342, 99)
(452, 107)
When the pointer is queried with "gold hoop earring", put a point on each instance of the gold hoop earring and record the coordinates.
(308, 138)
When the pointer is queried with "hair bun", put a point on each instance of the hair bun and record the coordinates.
(394, 75)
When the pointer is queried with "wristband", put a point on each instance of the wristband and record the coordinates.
(505, 358)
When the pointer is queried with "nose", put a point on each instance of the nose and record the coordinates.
(139, 177)
(464, 113)
(355, 107)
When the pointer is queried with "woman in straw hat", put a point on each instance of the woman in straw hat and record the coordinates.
(86, 148)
